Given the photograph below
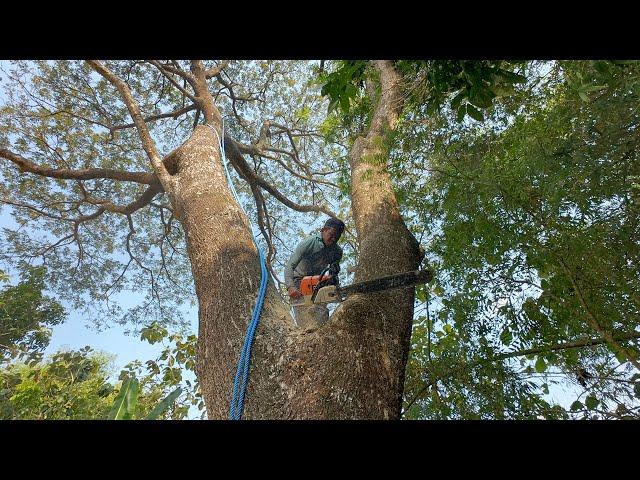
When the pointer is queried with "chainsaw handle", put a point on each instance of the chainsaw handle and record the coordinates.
(320, 284)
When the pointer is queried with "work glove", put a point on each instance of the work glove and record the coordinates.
(295, 293)
(334, 269)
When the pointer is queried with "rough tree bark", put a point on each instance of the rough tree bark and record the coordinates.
(352, 367)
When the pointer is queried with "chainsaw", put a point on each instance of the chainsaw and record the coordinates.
(326, 289)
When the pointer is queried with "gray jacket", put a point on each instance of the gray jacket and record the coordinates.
(310, 257)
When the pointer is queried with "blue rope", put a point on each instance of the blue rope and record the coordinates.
(242, 371)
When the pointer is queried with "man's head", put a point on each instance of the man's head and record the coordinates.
(331, 231)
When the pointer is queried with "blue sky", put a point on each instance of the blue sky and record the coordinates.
(77, 331)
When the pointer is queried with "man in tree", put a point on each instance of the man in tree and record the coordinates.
(311, 257)
(166, 213)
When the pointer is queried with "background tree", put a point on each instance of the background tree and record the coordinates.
(25, 317)
(80, 384)
(532, 218)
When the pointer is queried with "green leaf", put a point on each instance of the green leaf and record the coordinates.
(512, 77)
(541, 366)
(583, 96)
(455, 103)
(625, 62)
(575, 406)
(636, 389)
(164, 404)
(506, 337)
(154, 333)
(592, 88)
(475, 113)
(125, 402)
(602, 66)
(462, 111)
(591, 402)
(621, 357)
(481, 96)
(344, 104)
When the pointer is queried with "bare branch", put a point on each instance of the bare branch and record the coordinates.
(134, 111)
(258, 150)
(233, 150)
(175, 114)
(32, 208)
(58, 243)
(176, 69)
(165, 71)
(80, 174)
(73, 115)
(138, 262)
(144, 200)
(260, 208)
(212, 72)
(232, 95)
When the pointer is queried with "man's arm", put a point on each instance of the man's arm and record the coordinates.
(293, 262)
(334, 267)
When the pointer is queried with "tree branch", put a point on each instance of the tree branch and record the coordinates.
(212, 72)
(134, 111)
(233, 150)
(80, 174)
(176, 69)
(166, 72)
(175, 114)
(263, 223)
(594, 322)
(144, 200)
(588, 342)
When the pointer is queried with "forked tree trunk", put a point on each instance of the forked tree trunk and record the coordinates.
(350, 368)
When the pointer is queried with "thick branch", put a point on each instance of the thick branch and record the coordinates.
(134, 111)
(145, 199)
(80, 174)
(263, 223)
(204, 98)
(212, 72)
(389, 106)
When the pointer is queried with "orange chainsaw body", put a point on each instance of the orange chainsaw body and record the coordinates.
(308, 283)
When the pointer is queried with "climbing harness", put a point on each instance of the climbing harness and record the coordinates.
(242, 371)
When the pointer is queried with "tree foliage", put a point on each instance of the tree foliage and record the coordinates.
(26, 315)
(97, 237)
(79, 384)
(533, 222)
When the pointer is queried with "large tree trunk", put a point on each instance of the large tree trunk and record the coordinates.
(352, 367)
